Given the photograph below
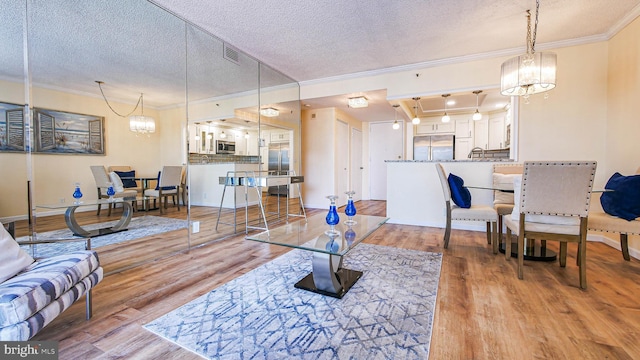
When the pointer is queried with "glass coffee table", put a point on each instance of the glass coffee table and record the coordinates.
(328, 276)
(72, 223)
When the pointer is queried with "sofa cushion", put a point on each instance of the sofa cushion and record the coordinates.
(459, 193)
(12, 258)
(624, 200)
(41, 283)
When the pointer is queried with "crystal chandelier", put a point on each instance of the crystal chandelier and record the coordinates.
(137, 123)
(531, 73)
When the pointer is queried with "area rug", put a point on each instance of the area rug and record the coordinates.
(138, 227)
(387, 314)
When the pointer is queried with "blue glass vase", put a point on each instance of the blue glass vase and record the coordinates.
(77, 194)
(350, 210)
(350, 236)
(332, 217)
(110, 192)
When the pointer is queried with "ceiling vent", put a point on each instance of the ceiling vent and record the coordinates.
(231, 54)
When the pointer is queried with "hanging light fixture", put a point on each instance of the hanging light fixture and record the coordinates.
(137, 123)
(477, 116)
(246, 135)
(445, 118)
(223, 135)
(532, 72)
(269, 112)
(396, 124)
(358, 102)
(416, 119)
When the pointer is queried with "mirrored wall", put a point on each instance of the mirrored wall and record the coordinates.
(92, 65)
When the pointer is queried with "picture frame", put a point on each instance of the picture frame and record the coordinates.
(61, 132)
(12, 130)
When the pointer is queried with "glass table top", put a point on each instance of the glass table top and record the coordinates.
(310, 235)
(92, 202)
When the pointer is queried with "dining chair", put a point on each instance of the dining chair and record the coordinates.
(475, 213)
(552, 203)
(168, 186)
(503, 175)
(103, 181)
(601, 221)
(184, 187)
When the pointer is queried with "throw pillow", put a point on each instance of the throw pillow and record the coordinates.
(12, 258)
(504, 182)
(164, 187)
(459, 194)
(624, 199)
(127, 183)
(117, 183)
(544, 219)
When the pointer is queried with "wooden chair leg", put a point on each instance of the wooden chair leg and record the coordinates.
(495, 240)
(624, 245)
(507, 246)
(521, 251)
(583, 263)
(489, 232)
(563, 254)
(447, 232)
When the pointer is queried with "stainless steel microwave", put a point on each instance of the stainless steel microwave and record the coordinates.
(225, 147)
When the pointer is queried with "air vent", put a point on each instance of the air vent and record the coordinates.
(231, 54)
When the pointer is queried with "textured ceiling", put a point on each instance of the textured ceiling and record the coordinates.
(134, 46)
(323, 38)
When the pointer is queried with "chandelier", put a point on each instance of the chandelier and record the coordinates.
(531, 73)
(137, 123)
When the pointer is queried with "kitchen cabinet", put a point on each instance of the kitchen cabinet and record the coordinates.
(481, 134)
(435, 127)
(463, 128)
(497, 131)
(463, 147)
(279, 136)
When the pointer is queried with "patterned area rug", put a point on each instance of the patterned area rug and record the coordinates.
(138, 227)
(387, 314)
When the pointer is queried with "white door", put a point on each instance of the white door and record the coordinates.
(342, 162)
(384, 144)
(356, 163)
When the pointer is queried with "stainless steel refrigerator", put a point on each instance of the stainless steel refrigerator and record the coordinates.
(278, 165)
(433, 147)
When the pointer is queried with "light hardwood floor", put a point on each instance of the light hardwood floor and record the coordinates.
(483, 311)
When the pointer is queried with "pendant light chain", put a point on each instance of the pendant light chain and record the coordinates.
(112, 109)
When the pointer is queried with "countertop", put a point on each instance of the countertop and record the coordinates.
(455, 161)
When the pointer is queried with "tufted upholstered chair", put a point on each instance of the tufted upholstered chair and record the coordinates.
(553, 204)
(503, 201)
(476, 213)
(170, 177)
(601, 221)
(103, 182)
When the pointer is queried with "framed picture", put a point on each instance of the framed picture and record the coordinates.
(59, 132)
(12, 133)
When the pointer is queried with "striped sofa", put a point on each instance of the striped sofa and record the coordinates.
(34, 297)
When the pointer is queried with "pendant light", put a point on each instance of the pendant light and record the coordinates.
(396, 124)
(532, 72)
(416, 119)
(477, 116)
(445, 118)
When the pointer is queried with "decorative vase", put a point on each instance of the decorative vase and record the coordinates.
(350, 210)
(332, 217)
(111, 191)
(350, 236)
(77, 194)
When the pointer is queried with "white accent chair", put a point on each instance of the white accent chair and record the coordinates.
(503, 202)
(553, 204)
(601, 221)
(103, 181)
(476, 213)
(170, 176)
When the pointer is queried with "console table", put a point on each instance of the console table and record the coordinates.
(328, 276)
(72, 223)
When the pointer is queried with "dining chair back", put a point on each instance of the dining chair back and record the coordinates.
(503, 175)
(474, 213)
(601, 221)
(168, 186)
(552, 203)
(103, 181)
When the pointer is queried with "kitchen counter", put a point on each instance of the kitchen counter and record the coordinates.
(491, 160)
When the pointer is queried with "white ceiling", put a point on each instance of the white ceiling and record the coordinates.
(309, 40)
(75, 42)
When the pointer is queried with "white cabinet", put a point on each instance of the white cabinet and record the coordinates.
(462, 147)
(481, 134)
(497, 131)
(435, 127)
(463, 128)
(279, 136)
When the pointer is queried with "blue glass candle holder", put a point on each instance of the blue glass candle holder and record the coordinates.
(77, 193)
(110, 192)
(350, 210)
(332, 217)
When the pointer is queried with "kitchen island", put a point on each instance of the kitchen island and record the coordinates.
(414, 193)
